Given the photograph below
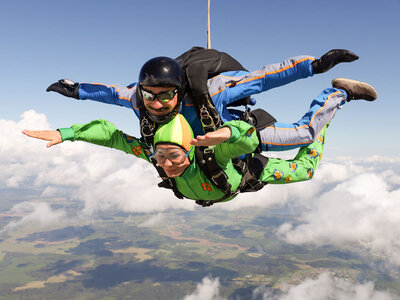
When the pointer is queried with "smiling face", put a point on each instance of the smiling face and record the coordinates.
(173, 159)
(156, 107)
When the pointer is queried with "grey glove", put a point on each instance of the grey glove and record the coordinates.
(331, 59)
(65, 87)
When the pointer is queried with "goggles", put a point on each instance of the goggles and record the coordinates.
(162, 97)
(175, 155)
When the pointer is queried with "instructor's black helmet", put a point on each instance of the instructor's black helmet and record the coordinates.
(161, 72)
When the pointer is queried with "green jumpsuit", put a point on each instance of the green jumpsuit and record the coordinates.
(193, 183)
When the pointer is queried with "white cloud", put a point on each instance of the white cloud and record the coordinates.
(153, 221)
(363, 210)
(35, 215)
(326, 287)
(208, 289)
(132, 188)
(323, 287)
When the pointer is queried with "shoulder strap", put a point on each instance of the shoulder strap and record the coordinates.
(208, 164)
(147, 127)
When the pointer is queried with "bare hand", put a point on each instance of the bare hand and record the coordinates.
(53, 136)
(212, 138)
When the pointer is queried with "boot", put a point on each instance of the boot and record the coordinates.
(355, 90)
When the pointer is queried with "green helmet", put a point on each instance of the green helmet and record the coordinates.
(178, 132)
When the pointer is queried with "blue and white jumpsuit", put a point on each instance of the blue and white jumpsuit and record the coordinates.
(230, 86)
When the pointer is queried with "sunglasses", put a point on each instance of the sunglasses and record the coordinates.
(162, 97)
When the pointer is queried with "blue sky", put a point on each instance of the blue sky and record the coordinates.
(96, 41)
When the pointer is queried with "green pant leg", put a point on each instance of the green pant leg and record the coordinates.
(301, 168)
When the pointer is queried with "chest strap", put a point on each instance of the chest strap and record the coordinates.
(205, 158)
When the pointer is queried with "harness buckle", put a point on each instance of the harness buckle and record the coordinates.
(206, 120)
(208, 150)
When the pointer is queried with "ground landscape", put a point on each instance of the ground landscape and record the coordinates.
(115, 257)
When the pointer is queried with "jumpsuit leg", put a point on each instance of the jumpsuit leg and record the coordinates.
(285, 136)
(301, 168)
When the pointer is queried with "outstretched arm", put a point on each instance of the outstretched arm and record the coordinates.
(110, 94)
(99, 132)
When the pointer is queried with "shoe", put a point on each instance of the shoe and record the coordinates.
(355, 90)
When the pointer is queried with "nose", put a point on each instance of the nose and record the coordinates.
(156, 104)
(167, 162)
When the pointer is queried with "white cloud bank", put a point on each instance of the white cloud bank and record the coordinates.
(324, 287)
(363, 210)
(208, 289)
(35, 215)
(349, 201)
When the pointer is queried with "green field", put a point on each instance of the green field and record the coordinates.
(115, 259)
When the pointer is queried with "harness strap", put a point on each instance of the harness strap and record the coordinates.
(147, 128)
(251, 173)
(259, 118)
(208, 114)
(206, 203)
(208, 164)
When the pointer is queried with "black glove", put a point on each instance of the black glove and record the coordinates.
(331, 59)
(65, 87)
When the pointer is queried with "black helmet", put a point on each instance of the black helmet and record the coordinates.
(165, 72)
(161, 71)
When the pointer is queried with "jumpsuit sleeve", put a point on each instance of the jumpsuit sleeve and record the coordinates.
(301, 168)
(233, 85)
(110, 94)
(243, 140)
(104, 133)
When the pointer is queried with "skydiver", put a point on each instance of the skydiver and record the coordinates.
(175, 148)
(161, 91)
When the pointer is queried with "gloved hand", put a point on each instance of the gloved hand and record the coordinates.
(65, 87)
(331, 59)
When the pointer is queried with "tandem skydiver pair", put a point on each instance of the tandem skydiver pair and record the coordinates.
(161, 90)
